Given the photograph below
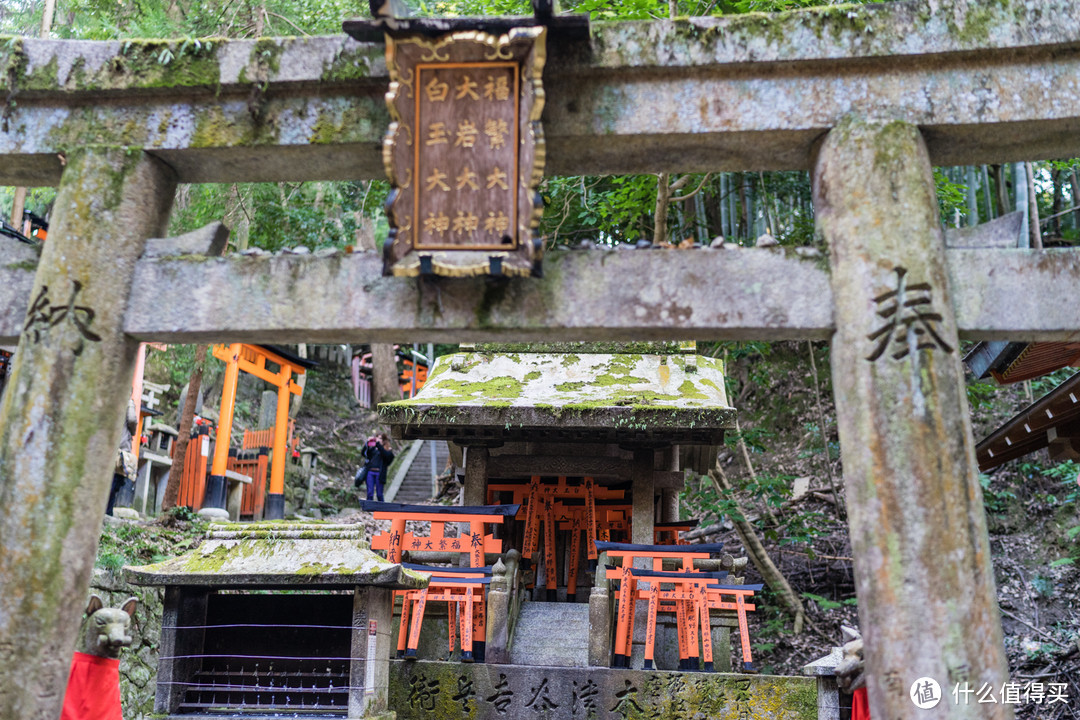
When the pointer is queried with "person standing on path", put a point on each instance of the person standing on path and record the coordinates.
(378, 454)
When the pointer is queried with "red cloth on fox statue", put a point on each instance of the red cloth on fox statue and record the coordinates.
(93, 689)
(860, 705)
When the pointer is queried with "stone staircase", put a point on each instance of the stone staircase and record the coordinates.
(416, 487)
(554, 634)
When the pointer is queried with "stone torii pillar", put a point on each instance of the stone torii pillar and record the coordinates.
(927, 603)
(60, 418)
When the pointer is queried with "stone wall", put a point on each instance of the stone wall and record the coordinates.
(139, 663)
(432, 690)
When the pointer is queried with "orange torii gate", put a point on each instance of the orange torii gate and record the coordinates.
(253, 359)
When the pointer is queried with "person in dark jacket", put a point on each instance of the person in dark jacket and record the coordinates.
(124, 471)
(378, 454)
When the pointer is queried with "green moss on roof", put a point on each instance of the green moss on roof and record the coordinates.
(585, 348)
(625, 391)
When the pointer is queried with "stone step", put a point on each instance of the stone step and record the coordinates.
(416, 487)
(553, 634)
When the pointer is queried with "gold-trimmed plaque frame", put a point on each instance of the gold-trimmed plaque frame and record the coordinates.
(465, 110)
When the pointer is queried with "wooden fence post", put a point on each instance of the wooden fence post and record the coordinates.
(927, 603)
(60, 419)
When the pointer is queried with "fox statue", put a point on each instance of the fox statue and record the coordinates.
(93, 689)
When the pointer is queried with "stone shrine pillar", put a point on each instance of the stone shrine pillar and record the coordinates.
(476, 458)
(60, 419)
(642, 521)
(373, 612)
(644, 500)
(927, 603)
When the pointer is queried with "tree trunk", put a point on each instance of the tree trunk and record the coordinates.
(840, 509)
(663, 192)
(385, 383)
(746, 195)
(1059, 182)
(1020, 192)
(972, 182)
(301, 380)
(1076, 197)
(17, 207)
(47, 17)
(183, 430)
(1001, 197)
(725, 225)
(238, 217)
(987, 194)
(1033, 208)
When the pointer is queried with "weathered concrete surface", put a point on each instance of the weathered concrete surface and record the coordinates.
(207, 240)
(422, 689)
(927, 603)
(60, 417)
(279, 555)
(748, 294)
(986, 82)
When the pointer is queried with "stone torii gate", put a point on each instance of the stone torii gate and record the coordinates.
(863, 97)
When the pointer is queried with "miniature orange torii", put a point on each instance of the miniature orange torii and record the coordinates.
(252, 359)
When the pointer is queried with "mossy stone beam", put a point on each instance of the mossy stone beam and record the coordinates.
(747, 294)
(927, 604)
(61, 416)
(691, 94)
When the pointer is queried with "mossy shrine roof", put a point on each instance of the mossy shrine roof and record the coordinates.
(583, 396)
(279, 555)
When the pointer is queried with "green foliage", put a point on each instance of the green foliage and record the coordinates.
(141, 544)
(995, 501)
(622, 9)
(333, 498)
(1063, 474)
(280, 215)
(784, 5)
(106, 20)
(980, 395)
(1042, 385)
(794, 526)
(608, 210)
(827, 604)
(952, 197)
(1044, 586)
(184, 514)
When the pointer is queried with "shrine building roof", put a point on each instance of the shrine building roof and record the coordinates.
(571, 392)
(279, 555)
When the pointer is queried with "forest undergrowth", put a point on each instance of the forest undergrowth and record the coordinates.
(1031, 509)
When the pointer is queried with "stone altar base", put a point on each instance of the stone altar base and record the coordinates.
(433, 690)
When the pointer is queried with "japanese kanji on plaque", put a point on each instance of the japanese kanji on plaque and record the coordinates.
(465, 153)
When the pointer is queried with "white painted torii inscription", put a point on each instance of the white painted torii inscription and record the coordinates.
(699, 94)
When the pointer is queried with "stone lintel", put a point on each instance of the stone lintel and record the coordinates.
(724, 93)
(748, 294)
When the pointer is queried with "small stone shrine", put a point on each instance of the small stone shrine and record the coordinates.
(276, 619)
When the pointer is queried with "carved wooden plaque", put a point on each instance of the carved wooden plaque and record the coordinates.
(465, 153)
